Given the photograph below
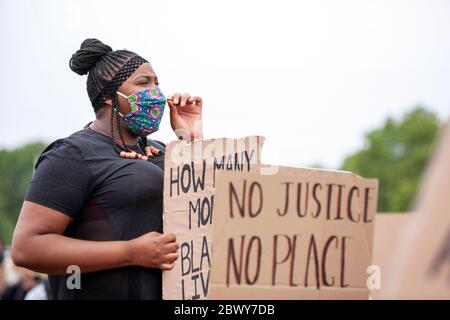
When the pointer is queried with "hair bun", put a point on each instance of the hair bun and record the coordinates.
(91, 51)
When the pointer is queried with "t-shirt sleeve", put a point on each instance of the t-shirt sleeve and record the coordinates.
(62, 180)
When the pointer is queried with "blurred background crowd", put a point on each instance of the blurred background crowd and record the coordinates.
(18, 283)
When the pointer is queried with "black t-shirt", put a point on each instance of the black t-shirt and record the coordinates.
(109, 198)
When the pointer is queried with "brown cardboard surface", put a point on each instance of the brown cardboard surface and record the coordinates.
(421, 269)
(308, 245)
(386, 236)
(189, 179)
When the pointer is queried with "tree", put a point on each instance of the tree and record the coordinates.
(16, 170)
(396, 154)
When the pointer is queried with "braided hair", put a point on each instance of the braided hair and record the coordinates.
(107, 70)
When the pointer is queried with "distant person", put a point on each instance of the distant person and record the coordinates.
(27, 281)
(2, 267)
(2, 250)
(40, 292)
(95, 200)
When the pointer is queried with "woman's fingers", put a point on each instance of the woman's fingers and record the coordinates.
(148, 152)
(197, 100)
(172, 107)
(176, 97)
(151, 151)
(178, 100)
(154, 150)
(166, 266)
(168, 238)
(172, 247)
(184, 99)
(171, 257)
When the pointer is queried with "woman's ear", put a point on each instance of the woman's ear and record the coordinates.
(108, 102)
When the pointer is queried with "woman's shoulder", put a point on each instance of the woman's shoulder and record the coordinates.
(63, 149)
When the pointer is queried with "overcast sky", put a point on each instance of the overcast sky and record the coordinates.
(310, 76)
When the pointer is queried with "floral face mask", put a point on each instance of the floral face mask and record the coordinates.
(147, 108)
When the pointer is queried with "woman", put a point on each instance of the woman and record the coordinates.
(95, 200)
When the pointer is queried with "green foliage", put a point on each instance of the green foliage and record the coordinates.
(16, 170)
(396, 154)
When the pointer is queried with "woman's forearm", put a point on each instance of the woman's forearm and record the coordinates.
(54, 253)
(39, 244)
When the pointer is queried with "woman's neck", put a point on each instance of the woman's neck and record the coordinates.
(105, 128)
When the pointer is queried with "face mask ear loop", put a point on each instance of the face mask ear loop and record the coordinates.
(112, 131)
(115, 104)
(121, 94)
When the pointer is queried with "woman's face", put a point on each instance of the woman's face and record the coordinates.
(143, 78)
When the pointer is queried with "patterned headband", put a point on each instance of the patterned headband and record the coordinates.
(124, 73)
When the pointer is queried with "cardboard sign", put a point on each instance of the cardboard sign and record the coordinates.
(189, 205)
(421, 270)
(386, 234)
(296, 234)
